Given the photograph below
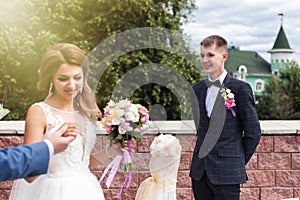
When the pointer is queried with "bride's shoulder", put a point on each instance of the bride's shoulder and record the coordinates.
(35, 117)
(39, 106)
(36, 109)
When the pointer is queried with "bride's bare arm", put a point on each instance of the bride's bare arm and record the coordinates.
(35, 126)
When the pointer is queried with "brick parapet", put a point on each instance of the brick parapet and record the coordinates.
(273, 171)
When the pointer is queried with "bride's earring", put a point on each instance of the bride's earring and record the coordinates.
(81, 89)
(50, 90)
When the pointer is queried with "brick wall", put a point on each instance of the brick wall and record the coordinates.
(273, 171)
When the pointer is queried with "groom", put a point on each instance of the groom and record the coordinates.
(227, 137)
(29, 160)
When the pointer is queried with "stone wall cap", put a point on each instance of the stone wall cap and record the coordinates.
(12, 127)
(268, 127)
(280, 127)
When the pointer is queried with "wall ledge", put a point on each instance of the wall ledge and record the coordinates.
(268, 127)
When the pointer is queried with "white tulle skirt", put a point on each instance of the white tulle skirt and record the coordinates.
(47, 187)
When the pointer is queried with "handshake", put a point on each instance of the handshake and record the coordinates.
(63, 136)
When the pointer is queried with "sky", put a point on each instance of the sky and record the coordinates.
(250, 25)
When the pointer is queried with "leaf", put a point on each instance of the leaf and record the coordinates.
(110, 137)
(31, 28)
(119, 137)
(123, 142)
(137, 135)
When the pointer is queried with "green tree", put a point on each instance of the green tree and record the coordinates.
(281, 97)
(29, 27)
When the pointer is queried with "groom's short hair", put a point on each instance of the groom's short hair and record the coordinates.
(214, 40)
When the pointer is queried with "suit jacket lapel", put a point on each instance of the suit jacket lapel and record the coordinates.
(202, 105)
(216, 123)
(219, 104)
(227, 81)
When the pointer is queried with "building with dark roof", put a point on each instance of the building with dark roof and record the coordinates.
(281, 51)
(252, 68)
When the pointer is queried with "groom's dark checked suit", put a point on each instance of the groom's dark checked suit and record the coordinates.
(218, 172)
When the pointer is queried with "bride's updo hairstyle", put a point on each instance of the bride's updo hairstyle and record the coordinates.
(65, 53)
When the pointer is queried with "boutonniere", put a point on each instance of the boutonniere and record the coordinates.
(229, 99)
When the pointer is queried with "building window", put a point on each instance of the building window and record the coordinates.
(242, 71)
(259, 85)
(275, 72)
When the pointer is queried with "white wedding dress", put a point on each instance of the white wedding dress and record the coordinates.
(68, 177)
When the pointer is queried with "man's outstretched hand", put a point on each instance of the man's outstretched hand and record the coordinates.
(63, 137)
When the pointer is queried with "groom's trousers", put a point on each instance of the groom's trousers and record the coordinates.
(204, 190)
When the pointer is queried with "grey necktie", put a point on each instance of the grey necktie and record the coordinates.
(216, 83)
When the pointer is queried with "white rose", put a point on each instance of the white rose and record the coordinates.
(123, 103)
(230, 95)
(116, 121)
(134, 113)
(129, 116)
(111, 103)
(117, 115)
(121, 130)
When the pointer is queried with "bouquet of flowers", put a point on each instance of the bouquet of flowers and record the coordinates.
(123, 121)
(3, 111)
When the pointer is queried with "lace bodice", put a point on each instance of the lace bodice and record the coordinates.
(76, 157)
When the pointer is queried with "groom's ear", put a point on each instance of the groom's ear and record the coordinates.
(225, 56)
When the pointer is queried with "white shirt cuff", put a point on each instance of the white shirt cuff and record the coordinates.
(50, 147)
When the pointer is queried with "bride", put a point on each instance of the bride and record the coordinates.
(63, 71)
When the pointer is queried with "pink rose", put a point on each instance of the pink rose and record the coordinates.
(142, 109)
(229, 103)
(109, 129)
(145, 118)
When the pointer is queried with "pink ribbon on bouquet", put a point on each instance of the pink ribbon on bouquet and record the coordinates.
(128, 168)
(114, 165)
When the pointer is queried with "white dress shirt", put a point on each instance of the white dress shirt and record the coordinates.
(50, 147)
